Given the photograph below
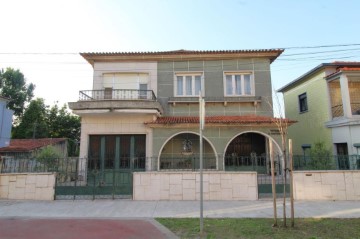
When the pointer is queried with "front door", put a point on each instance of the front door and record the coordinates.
(112, 159)
(342, 156)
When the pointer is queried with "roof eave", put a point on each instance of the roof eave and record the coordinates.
(313, 71)
(181, 56)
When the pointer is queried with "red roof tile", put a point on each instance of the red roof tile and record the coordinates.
(180, 55)
(180, 52)
(350, 68)
(347, 68)
(244, 119)
(26, 145)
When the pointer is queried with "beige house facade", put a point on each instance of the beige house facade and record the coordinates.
(143, 111)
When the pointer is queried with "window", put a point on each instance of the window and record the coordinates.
(238, 84)
(303, 106)
(188, 84)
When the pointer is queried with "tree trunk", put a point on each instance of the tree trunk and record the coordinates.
(273, 182)
(284, 192)
(291, 184)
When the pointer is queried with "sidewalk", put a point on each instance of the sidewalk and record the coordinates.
(126, 209)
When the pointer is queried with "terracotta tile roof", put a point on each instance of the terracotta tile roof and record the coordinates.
(340, 69)
(179, 55)
(350, 69)
(244, 119)
(333, 65)
(26, 145)
(180, 52)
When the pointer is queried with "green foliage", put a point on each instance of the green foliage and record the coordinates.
(321, 157)
(63, 124)
(48, 156)
(13, 85)
(33, 123)
(40, 121)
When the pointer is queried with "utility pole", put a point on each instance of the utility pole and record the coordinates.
(202, 124)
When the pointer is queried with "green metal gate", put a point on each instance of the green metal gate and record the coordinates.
(94, 184)
(107, 173)
(265, 182)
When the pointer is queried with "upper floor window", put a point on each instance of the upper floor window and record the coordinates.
(188, 84)
(238, 84)
(303, 106)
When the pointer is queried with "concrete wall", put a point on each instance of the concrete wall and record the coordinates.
(40, 186)
(186, 186)
(327, 185)
(310, 127)
(349, 134)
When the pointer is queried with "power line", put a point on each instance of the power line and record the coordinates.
(321, 46)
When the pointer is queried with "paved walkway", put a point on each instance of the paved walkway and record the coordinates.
(152, 209)
(31, 228)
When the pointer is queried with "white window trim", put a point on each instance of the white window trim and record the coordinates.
(252, 83)
(187, 73)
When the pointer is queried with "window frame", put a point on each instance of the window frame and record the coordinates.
(184, 84)
(303, 98)
(242, 83)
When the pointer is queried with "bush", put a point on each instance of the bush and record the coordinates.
(48, 158)
(321, 157)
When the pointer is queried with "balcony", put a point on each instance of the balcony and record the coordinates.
(116, 101)
(111, 94)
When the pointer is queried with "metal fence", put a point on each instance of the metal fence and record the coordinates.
(331, 162)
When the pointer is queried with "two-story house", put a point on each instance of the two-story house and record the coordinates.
(326, 103)
(143, 110)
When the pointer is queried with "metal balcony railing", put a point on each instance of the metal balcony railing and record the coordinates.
(112, 94)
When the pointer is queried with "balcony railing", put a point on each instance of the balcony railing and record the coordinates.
(111, 94)
(338, 111)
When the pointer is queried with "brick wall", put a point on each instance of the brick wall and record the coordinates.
(21, 186)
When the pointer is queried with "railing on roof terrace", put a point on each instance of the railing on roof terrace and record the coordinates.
(88, 95)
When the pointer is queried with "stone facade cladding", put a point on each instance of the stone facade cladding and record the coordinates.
(186, 186)
(20, 186)
(327, 185)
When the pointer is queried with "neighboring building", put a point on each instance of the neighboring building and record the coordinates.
(326, 103)
(21, 154)
(143, 110)
(5, 122)
(29, 148)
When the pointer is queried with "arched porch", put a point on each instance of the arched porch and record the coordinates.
(182, 152)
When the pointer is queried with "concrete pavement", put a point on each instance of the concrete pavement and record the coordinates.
(178, 209)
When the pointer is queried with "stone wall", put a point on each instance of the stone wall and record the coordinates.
(327, 185)
(186, 186)
(39, 186)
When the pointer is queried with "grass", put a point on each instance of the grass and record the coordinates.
(262, 228)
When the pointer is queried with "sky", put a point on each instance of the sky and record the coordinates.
(43, 38)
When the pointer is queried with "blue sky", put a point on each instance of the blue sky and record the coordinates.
(72, 26)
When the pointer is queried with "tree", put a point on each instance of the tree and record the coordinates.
(40, 121)
(13, 85)
(33, 124)
(63, 124)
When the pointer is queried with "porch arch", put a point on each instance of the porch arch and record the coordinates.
(267, 138)
(195, 156)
